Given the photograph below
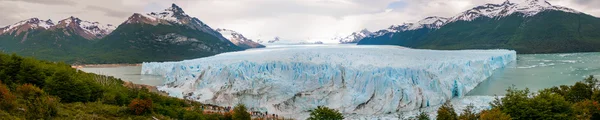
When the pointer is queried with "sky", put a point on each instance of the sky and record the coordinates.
(294, 20)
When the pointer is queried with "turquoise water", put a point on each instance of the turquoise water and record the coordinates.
(127, 73)
(529, 71)
(541, 71)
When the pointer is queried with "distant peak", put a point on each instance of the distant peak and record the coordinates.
(527, 2)
(507, 2)
(175, 9)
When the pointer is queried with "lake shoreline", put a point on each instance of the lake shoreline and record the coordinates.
(104, 65)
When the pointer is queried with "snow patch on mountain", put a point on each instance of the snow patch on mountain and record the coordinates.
(239, 39)
(355, 37)
(96, 28)
(29, 24)
(527, 8)
(86, 29)
(173, 15)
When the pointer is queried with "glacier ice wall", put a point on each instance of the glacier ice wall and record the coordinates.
(366, 80)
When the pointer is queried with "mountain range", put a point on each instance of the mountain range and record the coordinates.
(166, 35)
(531, 26)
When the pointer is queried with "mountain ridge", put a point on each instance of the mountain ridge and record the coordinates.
(167, 35)
(542, 29)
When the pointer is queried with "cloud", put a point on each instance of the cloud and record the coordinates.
(48, 2)
(265, 19)
(109, 11)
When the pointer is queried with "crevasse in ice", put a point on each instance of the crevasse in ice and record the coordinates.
(366, 80)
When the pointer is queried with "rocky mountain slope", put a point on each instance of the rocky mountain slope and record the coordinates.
(532, 26)
(157, 36)
(239, 39)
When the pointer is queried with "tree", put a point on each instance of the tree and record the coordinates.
(324, 113)
(591, 82)
(80, 89)
(140, 106)
(515, 103)
(549, 106)
(446, 112)
(587, 110)
(7, 99)
(240, 113)
(494, 114)
(468, 113)
(39, 105)
(423, 116)
(579, 92)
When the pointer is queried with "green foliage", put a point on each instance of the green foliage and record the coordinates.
(515, 103)
(423, 116)
(494, 114)
(546, 32)
(7, 99)
(446, 112)
(37, 103)
(81, 88)
(579, 92)
(140, 106)
(468, 113)
(324, 113)
(544, 105)
(241, 113)
(587, 110)
(83, 95)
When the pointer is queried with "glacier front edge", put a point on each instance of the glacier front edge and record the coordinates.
(366, 80)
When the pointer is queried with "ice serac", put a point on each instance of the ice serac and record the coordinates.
(352, 79)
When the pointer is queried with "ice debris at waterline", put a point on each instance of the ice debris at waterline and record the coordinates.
(353, 79)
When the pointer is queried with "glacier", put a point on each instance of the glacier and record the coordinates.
(357, 80)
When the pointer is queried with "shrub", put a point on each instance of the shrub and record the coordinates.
(140, 106)
(550, 106)
(29, 92)
(7, 99)
(324, 113)
(72, 87)
(515, 103)
(587, 110)
(579, 92)
(240, 113)
(423, 116)
(446, 112)
(38, 104)
(493, 114)
(468, 113)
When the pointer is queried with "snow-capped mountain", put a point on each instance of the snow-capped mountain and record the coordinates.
(86, 29)
(355, 37)
(276, 39)
(26, 25)
(433, 22)
(173, 15)
(509, 25)
(239, 39)
(527, 8)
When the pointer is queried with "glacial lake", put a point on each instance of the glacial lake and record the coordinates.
(533, 71)
(127, 73)
(539, 71)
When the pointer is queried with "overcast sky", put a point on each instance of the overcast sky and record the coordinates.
(264, 19)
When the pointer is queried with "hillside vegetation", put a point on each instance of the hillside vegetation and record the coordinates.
(34, 89)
